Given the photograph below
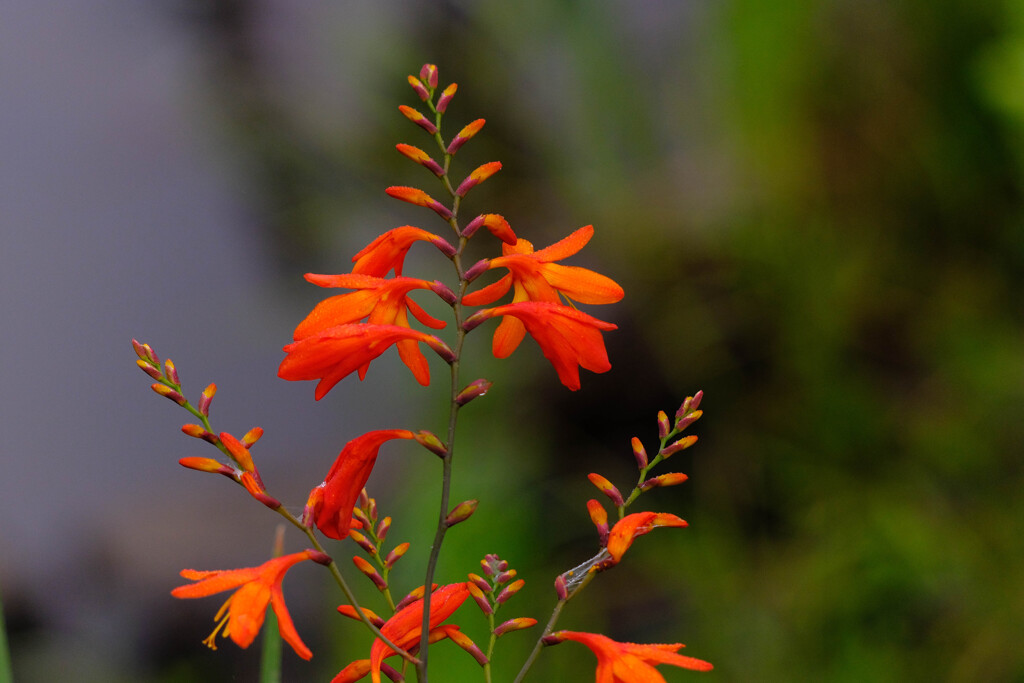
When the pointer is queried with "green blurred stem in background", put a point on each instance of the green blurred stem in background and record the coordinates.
(5, 658)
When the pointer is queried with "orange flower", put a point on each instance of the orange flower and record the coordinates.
(636, 524)
(404, 630)
(335, 353)
(242, 615)
(567, 337)
(334, 499)
(382, 302)
(388, 251)
(629, 662)
(536, 277)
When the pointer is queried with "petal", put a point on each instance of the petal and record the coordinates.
(566, 247)
(285, 626)
(488, 294)
(583, 285)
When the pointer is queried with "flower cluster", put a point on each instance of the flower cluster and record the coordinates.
(344, 334)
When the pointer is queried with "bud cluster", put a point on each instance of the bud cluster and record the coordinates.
(490, 591)
(369, 533)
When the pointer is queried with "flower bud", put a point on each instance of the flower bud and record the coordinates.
(383, 528)
(362, 542)
(421, 158)
(474, 389)
(428, 74)
(480, 582)
(350, 612)
(429, 441)
(606, 487)
(689, 405)
(204, 401)
(145, 352)
(464, 135)
(198, 432)
(206, 465)
(514, 625)
(688, 420)
(371, 573)
(505, 576)
(252, 436)
(419, 198)
(561, 588)
(446, 96)
(680, 445)
(149, 369)
(639, 453)
(670, 479)
(417, 118)
(599, 517)
(481, 599)
(479, 174)
(663, 426)
(395, 554)
(461, 512)
(444, 291)
(168, 392)
(418, 87)
(238, 452)
(171, 372)
(509, 591)
(464, 641)
(476, 269)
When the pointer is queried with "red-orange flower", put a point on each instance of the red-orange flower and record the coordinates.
(388, 251)
(567, 337)
(333, 500)
(534, 276)
(241, 617)
(404, 630)
(630, 662)
(336, 352)
(637, 524)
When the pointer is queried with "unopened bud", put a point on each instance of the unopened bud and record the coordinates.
(464, 135)
(168, 392)
(171, 372)
(480, 598)
(383, 528)
(198, 432)
(395, 554)
(371, 573)
(147, 368)
(599, 517)
(238, 452)
(509, 591)
(359, 515)
(516, 624)
(680, 445)
(606, 487)
(362, 541)
(417, 118)
(252, 436)
(444, 291)
(479, 174)
(446, 96)
(428, 74)
(504, 577)
(419, 88)
(421, 158)
(145, 352)
(670, 479)
(480, 581)
(639, 453)
(419, 198)
(689, 405)
(363, 499)
(477, 269)
(561, 588)
(467, 644)
(685, 422)
(206, 465)
(204, 401)
(461, 512)
(429, 441)
(474, 389)
(663, 426)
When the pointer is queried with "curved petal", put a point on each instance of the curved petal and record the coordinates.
(567, 246)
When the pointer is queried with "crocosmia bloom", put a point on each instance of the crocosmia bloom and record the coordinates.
(404, 630)
(335, 498)
(567, 337)
(241, 617)
(336, 352)
(388, 251)
(637, 524)
(534, 276)
(629, 662)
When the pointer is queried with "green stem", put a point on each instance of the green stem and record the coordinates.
(6, 675)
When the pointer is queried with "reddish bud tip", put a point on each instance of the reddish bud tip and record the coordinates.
(371, 573)
(416, 85)
(663, 426)
(504, 577)
(464, 135)
(145, 352)
(382, 529)
(443, 245)
(238, 452)
(480, 598)
(149, 369)
(606, 487)
(168, 392)
(362, 541)
(446, 96)
(639, 453)
(252, 436)
(552, 639)
(670, 479)
(479, 174)
(319, 557)
(419, 198)
(429, 441)
(206, 465)
(444, 291)
(477, 269)
(474, 389)
(680, 445)
(509, 591)
(269, 501)
(204, 401)
(198, 432)
(417, 118)
(461, 512)
(395, 554)
(516, 624)
(561, 589)
(689, 405)
(428, 74)
(479, 581)
(171, 372)
(421, 158)
(690, 418)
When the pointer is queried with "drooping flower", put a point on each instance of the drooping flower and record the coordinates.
(629, 662)
(567, 337)
(334, 353)
(404, 630)
(534, 276)
(334, 499)
(388, 251)
(637, 524)
(241, 617)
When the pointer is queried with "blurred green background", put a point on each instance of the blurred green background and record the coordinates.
(815, 211)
